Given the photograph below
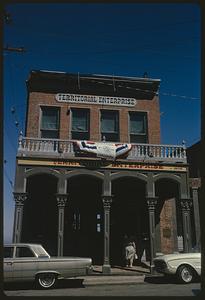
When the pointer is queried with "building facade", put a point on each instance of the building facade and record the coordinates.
(73, 192)
(194, 160)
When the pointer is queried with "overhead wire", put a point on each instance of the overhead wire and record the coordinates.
(138, 48)
(128, 87)
(100, 33)
(143, 90)
(103, 35)
(147, 91)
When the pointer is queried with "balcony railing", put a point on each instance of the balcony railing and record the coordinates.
(65, 149)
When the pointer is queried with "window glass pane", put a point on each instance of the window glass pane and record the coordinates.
(109, 121)
(79, 120)
(8, 252)
(134, 138)
(49, 118)
(137, 123)
(80, 135)
(49, 134)
(110, 137)
(24, 252)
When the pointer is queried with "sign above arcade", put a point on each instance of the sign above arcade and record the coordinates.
(96, 164)
(93, 99)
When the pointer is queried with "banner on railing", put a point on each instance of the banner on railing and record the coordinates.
(103, 149)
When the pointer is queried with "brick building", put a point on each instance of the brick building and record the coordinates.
(79, 202)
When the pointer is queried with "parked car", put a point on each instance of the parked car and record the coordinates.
(185, 266)
(31, 262)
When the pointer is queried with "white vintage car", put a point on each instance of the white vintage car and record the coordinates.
(185, 266)
(31, 262)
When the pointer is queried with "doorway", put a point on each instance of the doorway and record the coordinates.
(129, 217)
(84, 224)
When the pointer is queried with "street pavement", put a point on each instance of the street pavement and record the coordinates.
(136, 281)
(77, 288)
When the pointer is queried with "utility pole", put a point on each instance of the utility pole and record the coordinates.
(14, 49)
(8, 20)
(7, 17)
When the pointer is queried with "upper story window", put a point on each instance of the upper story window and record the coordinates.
(110, 125)
(138, 127)
(80, 124)
(50, 122)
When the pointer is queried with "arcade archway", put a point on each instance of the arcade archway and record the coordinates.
(40, 218)
(129, 217)
(84, 229)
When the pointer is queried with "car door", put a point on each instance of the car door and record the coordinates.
(8, 263)
(24, 264)
(196, 263)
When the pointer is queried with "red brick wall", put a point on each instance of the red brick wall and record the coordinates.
(36, 99)
(168, 227)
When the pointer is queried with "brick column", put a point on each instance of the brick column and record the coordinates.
(195, 185)
(61, 201)
(151, 202)
(186, 204)
(18, 215)
(107, 200)
(196, 217)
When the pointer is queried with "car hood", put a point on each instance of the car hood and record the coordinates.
(178, 256)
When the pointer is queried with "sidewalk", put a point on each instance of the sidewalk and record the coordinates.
(111, 279)
(119, 275)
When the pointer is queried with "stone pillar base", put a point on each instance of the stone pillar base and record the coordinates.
(153, 271)
(106, 269)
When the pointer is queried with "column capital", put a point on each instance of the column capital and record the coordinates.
(186, 203)
(20, 198)
(61, 199)
(195, 183)
(152, 202)
(107, 200)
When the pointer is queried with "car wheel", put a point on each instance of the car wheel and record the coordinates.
(46, 280)
(185, 274)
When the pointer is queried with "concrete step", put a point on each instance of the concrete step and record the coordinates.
(123, 271)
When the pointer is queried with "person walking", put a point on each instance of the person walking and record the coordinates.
(130, 252)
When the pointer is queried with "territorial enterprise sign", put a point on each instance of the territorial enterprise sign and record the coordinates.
(93, 99)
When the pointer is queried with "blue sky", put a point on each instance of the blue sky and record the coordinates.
(114, 39)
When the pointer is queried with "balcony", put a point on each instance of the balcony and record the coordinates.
(65, 149)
